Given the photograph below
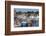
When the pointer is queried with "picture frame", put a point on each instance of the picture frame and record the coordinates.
(10, 8)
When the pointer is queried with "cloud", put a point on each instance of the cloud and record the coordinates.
(25, 9)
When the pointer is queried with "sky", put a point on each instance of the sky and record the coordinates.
(25, 9)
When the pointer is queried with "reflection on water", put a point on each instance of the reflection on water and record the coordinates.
(30, 21)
